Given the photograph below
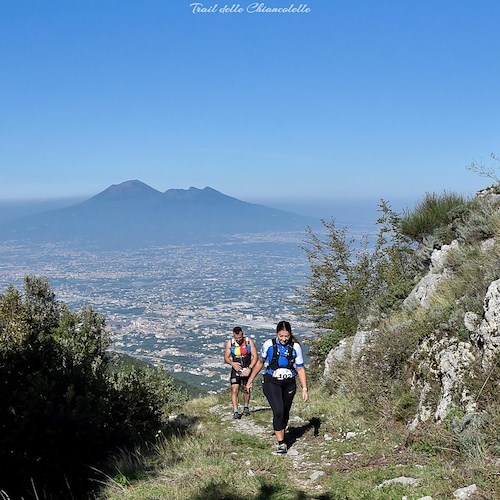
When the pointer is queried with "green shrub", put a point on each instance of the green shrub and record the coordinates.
(62, 409)
(468, 432)
(431, 214)
(475, 222)
(349, 276)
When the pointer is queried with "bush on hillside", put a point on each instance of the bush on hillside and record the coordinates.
(62, 409)
(432, 215)
(349, 277)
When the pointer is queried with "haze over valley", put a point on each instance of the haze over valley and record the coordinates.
(173, 304)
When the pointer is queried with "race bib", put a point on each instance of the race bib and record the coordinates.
(282, 373)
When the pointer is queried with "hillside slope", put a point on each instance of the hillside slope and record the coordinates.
(408, 406)
(335, 452)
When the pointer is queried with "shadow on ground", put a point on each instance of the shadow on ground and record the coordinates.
(295, 433)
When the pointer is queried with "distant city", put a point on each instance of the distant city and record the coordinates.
(176, 306)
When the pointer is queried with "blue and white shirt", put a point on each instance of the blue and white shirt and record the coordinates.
(267, 352)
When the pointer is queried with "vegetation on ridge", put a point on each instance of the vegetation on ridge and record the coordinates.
(349, 277)
(65, 405)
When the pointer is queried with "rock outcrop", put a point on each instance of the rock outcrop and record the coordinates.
(443, 364)
(485, 332)
(421, 293)
(348, 350)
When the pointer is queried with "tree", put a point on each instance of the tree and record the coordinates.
(63, 407)
(485, 170)
(348, 276)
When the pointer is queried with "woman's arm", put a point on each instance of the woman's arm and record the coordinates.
(257, 367)
(301, 372)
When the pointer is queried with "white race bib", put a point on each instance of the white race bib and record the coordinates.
(282, 373)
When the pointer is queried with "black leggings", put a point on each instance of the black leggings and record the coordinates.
(280, 395)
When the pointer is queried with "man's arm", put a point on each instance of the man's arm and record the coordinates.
(227, 357)
(254, 353)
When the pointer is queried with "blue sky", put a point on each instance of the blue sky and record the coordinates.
(361, 99)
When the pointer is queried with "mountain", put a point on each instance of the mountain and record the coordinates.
(133, 213)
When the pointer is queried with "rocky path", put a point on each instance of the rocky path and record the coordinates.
(306, 471)
(303, 447)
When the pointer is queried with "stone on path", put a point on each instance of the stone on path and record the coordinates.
(408, 481)
(316, 475)
(463, 493)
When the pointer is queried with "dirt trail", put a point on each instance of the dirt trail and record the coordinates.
(306, 472)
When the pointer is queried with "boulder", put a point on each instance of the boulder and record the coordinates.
(420, 295)
(445, 363)
(348, 350)
(486, 335)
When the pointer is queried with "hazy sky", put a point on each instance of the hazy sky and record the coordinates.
(362, 99)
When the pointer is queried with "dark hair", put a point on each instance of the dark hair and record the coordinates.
(237, 329)
(285, 325)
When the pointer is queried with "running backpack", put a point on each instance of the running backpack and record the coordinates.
(241, 352)
(284, 360)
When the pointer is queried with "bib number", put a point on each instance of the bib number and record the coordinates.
(282, 373)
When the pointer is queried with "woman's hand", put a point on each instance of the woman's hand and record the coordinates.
(305, 394)
(248, 386)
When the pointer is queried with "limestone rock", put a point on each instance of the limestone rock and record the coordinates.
(407, 481)
(488, 195)
(464, 493)
(445, 362)
(471, 321)
(488, 245)
(338, 354)
(348, 350)
(316, 475)
(487, 335)
(420, 295)
(360, 342)
(440, 256)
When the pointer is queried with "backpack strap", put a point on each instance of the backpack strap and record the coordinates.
(273, 365)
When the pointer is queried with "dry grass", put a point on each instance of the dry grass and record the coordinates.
(356, 449)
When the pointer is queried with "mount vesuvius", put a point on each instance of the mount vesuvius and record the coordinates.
(134, 214)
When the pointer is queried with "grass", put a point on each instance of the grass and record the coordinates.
(212, 461)
(431, 213)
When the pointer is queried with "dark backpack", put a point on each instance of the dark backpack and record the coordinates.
(288, 355)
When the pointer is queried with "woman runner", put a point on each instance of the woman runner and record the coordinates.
(284, 360)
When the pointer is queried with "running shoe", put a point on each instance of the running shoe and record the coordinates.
(281, 448)
(236, 415)
(246, 410)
